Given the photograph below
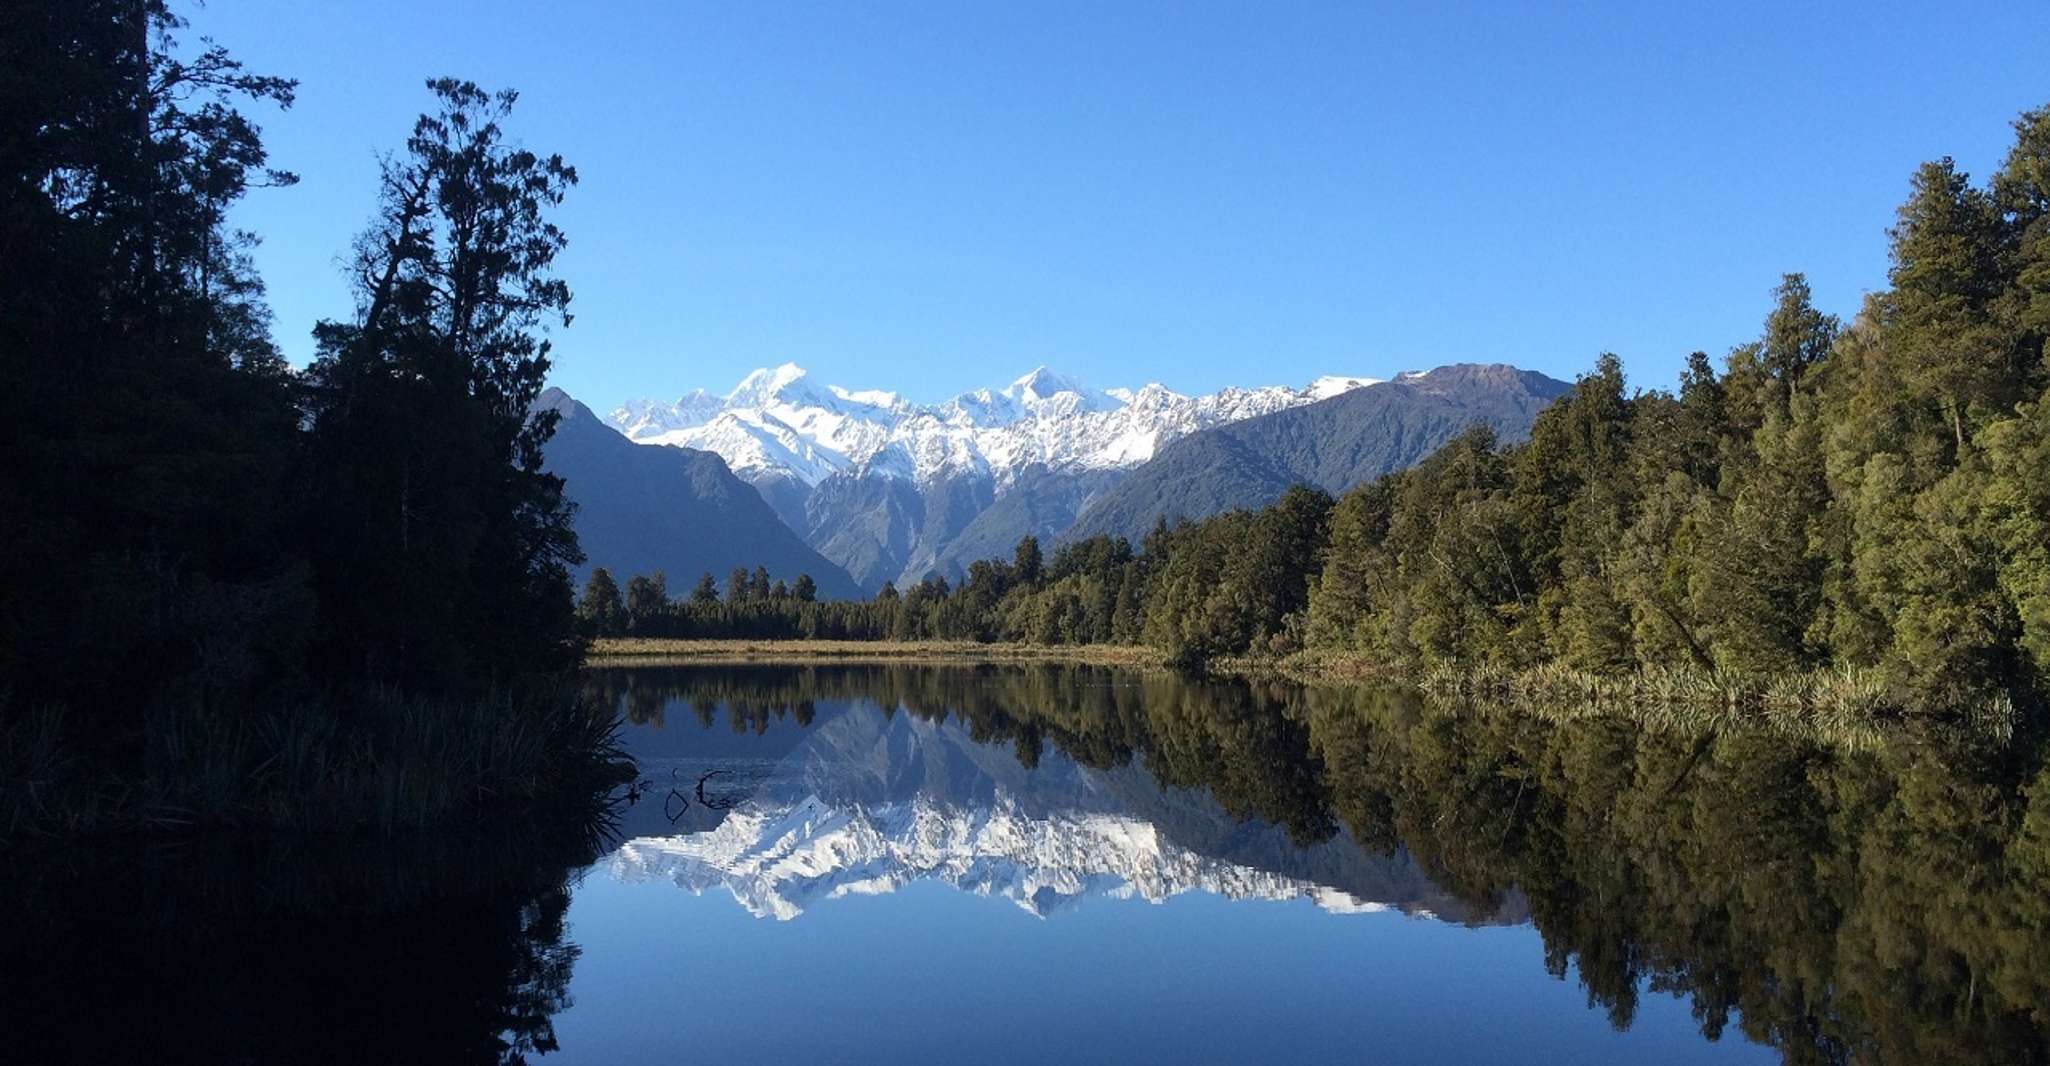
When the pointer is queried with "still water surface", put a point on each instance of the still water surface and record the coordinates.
(1039, 863)
(891, 885)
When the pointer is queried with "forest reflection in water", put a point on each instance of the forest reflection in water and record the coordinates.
(1879, 901)
(443, 948)
(1866, 897)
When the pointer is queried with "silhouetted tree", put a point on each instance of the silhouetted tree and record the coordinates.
(443, 547)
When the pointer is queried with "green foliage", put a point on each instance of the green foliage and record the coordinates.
(1027, 567)
(1866, 497)
(645, 598)
(195, 535)
(601, 610)
(1947, 274)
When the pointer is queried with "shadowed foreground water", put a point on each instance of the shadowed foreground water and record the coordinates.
(1032, 863)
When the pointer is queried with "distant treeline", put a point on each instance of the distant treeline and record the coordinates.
(194, 535)
(1869, 495)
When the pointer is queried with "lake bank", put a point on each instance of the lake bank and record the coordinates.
(1829, 699)
(636, 651)
(376, 763)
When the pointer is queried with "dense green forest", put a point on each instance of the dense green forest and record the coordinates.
(222, 579)
(1862, 495)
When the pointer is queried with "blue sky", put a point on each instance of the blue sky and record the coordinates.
(932, 197)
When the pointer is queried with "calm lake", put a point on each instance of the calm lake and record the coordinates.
(1043, 863)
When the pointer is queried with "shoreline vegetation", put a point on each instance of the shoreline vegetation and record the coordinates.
(638, 651)
(377, 763)
(338, 597)
(236, 593)
(1844, 517)
(1834, 702)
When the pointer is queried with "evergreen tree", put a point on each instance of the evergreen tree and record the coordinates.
(2021, 193)
(1342, 599)
(706, 591)
(1760, 592)
(1027, 565)
(1765, 376)
(646, 599)
(601, 609)
(444, 547)
(1946, 252)
(1128, 615)
(1573, 492)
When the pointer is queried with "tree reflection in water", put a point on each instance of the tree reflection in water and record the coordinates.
(445, 949)
(1840, 896)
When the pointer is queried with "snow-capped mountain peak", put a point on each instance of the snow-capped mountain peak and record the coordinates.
(1040, 385)
(779, 424)
(760, 385)
(772, 386)
(1332, 384)
(777, 861)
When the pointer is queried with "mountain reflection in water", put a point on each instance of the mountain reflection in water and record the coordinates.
(1836, 898)
(860, 802)
(1130, 866)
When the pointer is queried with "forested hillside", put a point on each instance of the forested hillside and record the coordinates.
(1866, 494)
(1333, 444)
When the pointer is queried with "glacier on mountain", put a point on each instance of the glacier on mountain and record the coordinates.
(778, 861)
(778, 423)
(864, 801)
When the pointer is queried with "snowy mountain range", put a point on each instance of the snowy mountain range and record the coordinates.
(891, 490)
(862, 803)
(778, 423)
(879, 489)
(778, 861)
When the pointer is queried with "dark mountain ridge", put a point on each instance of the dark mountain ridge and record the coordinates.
(1333, 444)
(647, 508)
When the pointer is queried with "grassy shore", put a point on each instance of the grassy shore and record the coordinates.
(1833, 699)
(638, 651)
(376, 762)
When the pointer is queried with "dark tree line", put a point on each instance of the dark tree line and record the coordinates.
(1866, 494)
(645, 608)
(1028, 598)
(185, 521)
